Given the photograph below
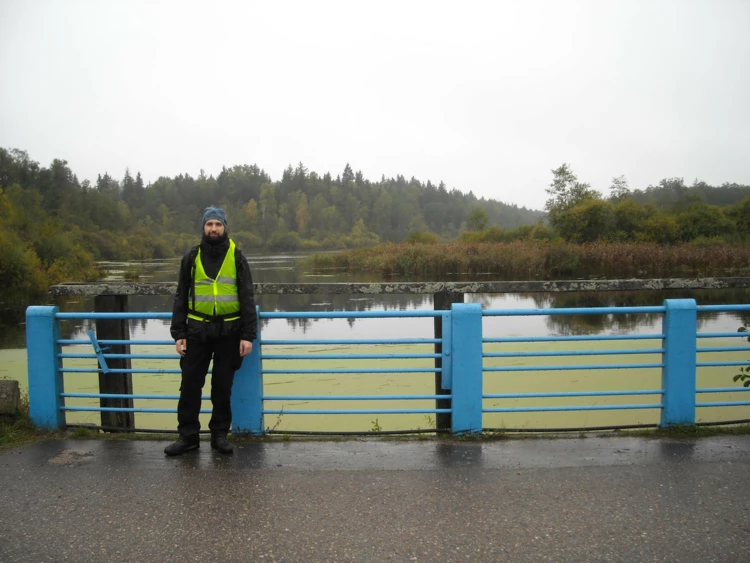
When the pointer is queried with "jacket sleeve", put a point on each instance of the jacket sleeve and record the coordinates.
(178, 329)
(248, 316)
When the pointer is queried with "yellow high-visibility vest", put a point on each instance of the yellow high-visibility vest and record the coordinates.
(215, 298)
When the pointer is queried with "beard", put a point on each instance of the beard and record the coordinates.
(215, 240)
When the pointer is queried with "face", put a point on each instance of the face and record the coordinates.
(213, 228)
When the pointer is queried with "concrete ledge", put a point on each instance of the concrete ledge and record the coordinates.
(532, 286)
(10, 397)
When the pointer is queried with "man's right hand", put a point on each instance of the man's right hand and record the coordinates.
(181, 346)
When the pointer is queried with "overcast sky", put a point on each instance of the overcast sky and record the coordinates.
(484, 96)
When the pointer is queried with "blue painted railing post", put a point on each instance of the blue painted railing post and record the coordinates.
(446, 365)
(466, 354)
(247, 393)
(45, 379)
(680, 326)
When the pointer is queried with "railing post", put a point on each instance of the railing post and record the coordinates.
(115, 383)
(678, 379)
(247, 393)
(442, 301)
(45, 379)
(466, 353)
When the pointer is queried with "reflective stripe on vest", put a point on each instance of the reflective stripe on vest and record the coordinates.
(217, 298)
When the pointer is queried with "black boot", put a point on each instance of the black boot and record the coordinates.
(181, 446)
(220, 443)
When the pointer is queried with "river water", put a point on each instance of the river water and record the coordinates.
(286, 268)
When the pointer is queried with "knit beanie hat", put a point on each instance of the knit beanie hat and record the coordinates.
(215, 213)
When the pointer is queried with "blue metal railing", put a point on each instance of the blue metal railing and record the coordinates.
(574, 354)
(720, 350)
(317, 357)
(470, 368)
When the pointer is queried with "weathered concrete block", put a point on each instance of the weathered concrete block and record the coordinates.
(10, 396)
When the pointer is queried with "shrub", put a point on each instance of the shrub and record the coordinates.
(21, 272)
(246, 240)
(132, 272)
(284, 241)
(422, 237)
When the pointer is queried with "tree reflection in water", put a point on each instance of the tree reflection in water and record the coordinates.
(287, 269)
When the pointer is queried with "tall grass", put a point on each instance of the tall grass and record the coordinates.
(133, 272)
(532, 259)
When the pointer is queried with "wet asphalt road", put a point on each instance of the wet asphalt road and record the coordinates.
(577, 500)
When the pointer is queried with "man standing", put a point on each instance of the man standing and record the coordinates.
(213, 317)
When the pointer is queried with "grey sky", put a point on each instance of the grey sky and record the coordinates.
(485, 96)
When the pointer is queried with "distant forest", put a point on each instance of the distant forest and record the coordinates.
(55, 227)
(302, 209)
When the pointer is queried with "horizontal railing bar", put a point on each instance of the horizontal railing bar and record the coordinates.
(356, 411)
(574, 408)
(349, 314)
(563, 368)
(265, 397)
(353, 397)
(722, 308)
(735, 334)
(117, 370)
(571, 394)
(352, 342)
(574, 338)
(348, 356)
(724, 404)
(353, 370)
(119, 356)
(116, 342)
(126, 409)
(724, 349)
(722, 389)
(152, 315)
(572, 311)
(721, 364)
(573, 353)
(124, 396)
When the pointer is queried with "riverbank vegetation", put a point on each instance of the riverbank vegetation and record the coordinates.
(534, 259)
(664, 230)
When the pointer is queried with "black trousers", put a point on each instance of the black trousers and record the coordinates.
(225, 352)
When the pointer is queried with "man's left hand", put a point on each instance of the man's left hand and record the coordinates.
(245, 348)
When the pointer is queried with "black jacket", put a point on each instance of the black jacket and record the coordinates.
(212, 258)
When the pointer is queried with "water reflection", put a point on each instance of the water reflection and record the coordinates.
(630, 323)
(677, 451)
(454, 455)
(286, 268)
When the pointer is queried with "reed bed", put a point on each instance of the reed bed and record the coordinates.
(529, 259)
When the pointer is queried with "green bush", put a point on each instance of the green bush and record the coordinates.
(246, 240)
(133, 272)
(490, 234)
(162, 249)
(284, 241)
(21, 271)
(562, 259)
(422, 237)
(307, 244)
(542, 232)
(707, 242)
